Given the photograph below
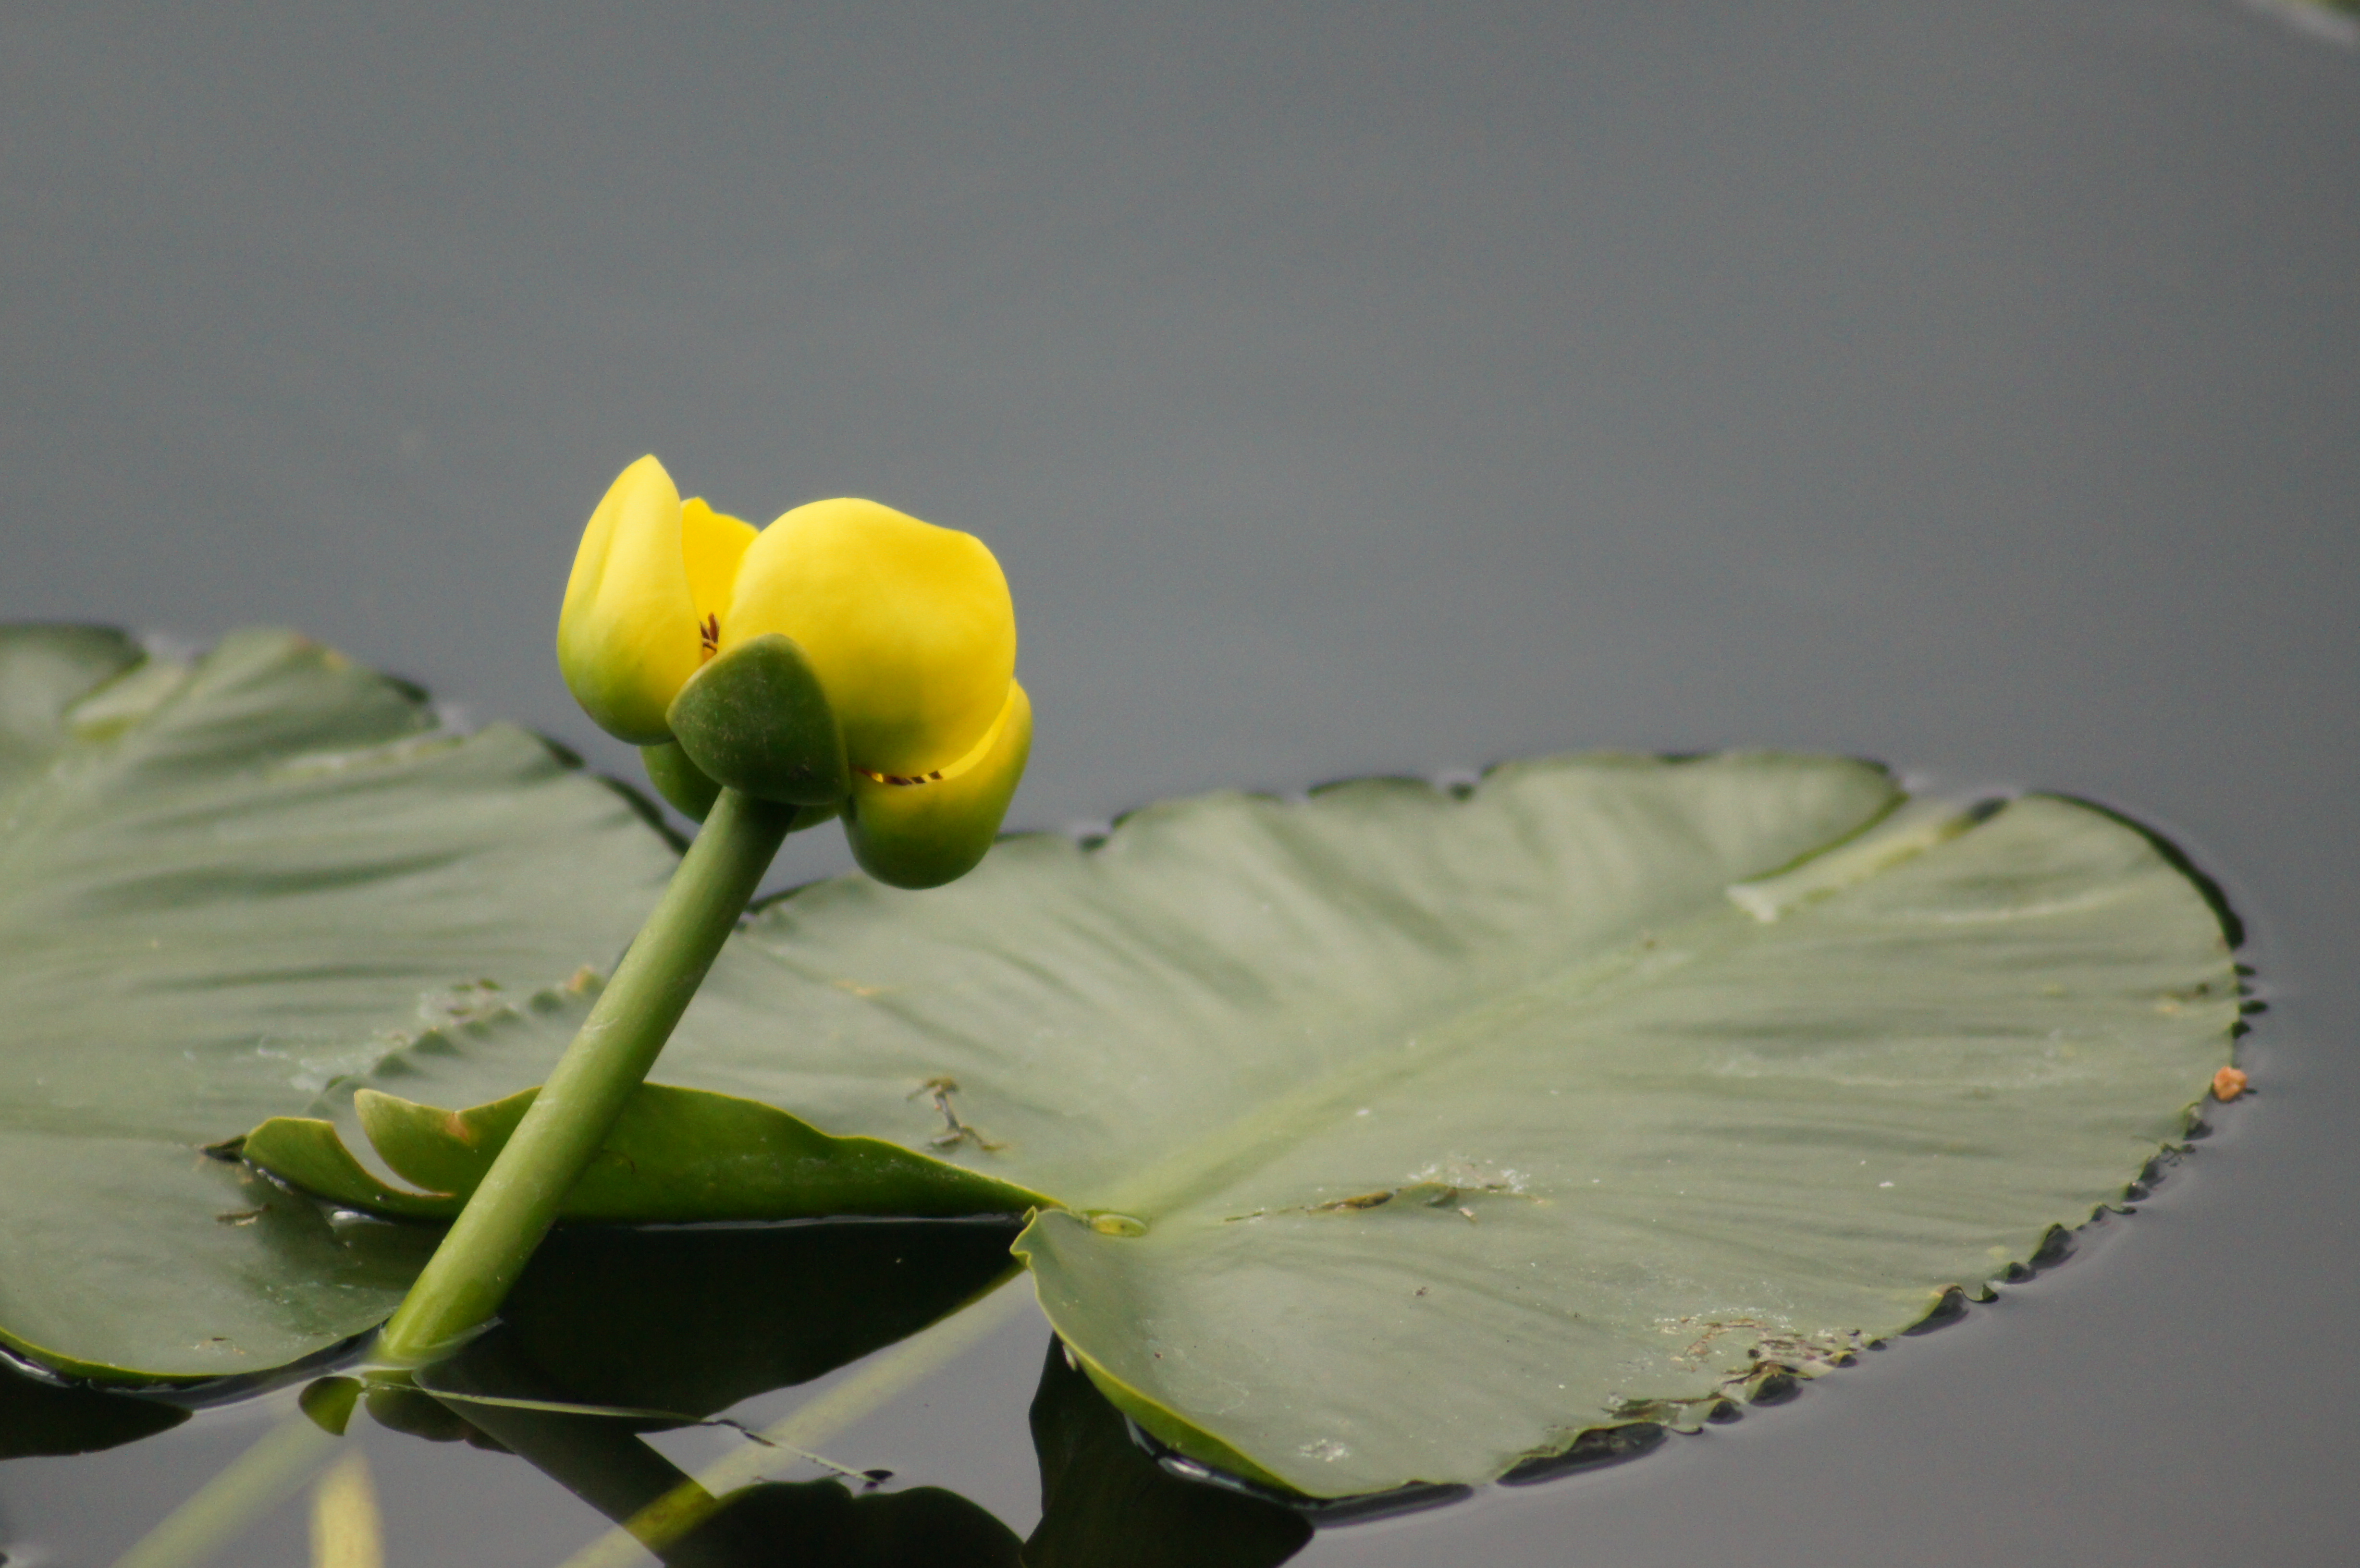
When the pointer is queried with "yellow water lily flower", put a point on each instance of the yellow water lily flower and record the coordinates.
(847, 657)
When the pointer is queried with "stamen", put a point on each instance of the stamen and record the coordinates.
(976, 754)
(708, 636)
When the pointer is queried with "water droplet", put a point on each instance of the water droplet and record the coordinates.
(1118, 1225)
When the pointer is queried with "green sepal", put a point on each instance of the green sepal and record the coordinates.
(755, 719)
(682, 784)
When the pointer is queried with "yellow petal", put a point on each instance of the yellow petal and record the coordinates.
(627, 637)
(909, 625)
(926, 831)
(712, 544)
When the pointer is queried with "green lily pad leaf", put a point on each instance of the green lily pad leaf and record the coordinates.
(1405, 1135)
(1585, 1098)
(222, 884)
(1728, 1153)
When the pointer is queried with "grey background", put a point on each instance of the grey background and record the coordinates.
(1349, 388)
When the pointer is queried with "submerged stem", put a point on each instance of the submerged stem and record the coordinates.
(469, 1275)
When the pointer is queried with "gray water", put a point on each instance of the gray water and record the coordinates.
(1346, 388)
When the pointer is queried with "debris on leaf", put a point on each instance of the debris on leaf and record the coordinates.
(955, 1131)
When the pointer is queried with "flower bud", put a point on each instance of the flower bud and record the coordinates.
(845, 659)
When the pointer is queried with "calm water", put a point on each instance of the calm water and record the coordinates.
(1347, 389)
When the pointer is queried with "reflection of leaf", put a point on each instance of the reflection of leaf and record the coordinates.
(822, 1522)
(689, 1322)
(694, 1320)
(38, 1417)
(219, 884)
(1103, 1501)
(601, 1459)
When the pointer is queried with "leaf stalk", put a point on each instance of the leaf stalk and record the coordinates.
(487, 1247)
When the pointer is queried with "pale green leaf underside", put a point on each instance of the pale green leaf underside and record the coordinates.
(1400, 1135)
(221, 886)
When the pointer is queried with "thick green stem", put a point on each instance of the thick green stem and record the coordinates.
(470, 1273)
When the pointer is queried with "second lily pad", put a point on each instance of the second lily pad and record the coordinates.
(1405, 1134)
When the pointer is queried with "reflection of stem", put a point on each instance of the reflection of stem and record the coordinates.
(886, 1376)
(595, 1457)
(258, 1480)
(470, 1273)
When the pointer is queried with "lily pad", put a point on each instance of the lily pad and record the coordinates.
(1402, 1135)
(222, 884)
